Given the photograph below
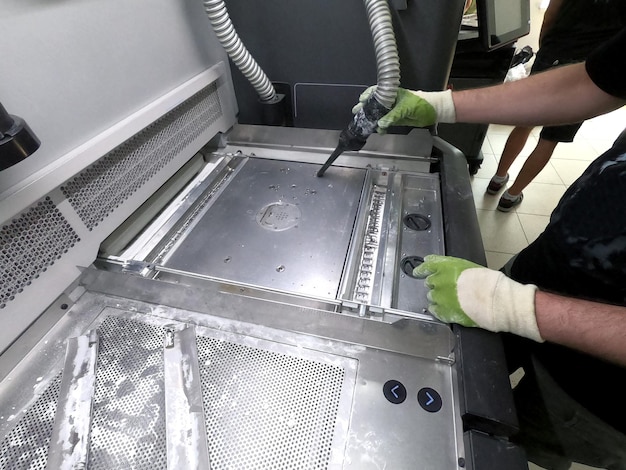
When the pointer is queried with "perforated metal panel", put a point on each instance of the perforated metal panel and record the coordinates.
(128, 421)
(26, 447)
(266, 410)
(29, 245)
(96, 191)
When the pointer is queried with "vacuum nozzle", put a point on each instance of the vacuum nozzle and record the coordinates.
(355, 136)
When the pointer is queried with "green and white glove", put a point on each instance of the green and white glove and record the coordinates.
(471, 295)
(414, 108)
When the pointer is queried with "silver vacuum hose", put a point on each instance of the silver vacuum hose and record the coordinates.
(230, 40)
(379, 17)
(387, 60)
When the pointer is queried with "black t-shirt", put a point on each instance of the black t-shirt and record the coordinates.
(605, 65)
(582, 253)
(580, 26)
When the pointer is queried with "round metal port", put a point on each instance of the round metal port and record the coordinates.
(409, 263)
(279, 216)
(416, 222)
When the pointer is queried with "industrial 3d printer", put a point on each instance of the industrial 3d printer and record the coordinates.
(206, 259)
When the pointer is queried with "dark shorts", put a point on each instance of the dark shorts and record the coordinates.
(565, 133)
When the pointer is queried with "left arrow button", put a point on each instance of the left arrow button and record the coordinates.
(394, 391)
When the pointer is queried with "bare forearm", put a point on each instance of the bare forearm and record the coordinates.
(594, 328)
(559, 96)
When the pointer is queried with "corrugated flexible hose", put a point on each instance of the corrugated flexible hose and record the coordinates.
(387, 60)
(379, 17)
(230, 40)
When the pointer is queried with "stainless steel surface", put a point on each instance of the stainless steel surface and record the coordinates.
(162, 234)
(184, 414)
(266, 223)
(273, 398)
(69, 443)
(276, 225)
(401, 152)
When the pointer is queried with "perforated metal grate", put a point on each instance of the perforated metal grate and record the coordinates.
(29, 245)
(266, 410)
(26, 446)
(128, 421)
(263, 409)
(99, 189)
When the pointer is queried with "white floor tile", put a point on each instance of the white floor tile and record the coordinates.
(608, 125)
(533, 225)
(501, 232)
(499, 129)
(569, 170)
(547, 175)
(580, 466)
(600, 145)
(580, 149)
(540, 198)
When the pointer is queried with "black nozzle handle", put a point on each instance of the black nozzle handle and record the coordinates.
(354, 137)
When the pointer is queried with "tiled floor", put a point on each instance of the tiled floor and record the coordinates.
(504, 234)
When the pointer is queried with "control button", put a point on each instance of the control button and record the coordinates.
(394, 391)
(416, 222)
(409, 263)
(429, 399)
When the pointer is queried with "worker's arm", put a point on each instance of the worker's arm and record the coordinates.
(558, 96)
(561, 95)
(591, 327)
(471, 295)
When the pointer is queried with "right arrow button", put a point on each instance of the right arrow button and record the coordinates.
(429, 399)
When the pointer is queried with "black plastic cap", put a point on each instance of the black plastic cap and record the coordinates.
(17, 141)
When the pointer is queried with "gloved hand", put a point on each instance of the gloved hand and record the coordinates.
(471, 295)
(414, 108)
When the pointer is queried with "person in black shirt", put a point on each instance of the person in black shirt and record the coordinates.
(571, 29)
(561, 302)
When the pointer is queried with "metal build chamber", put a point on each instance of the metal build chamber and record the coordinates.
(253, 315)
(258, 216)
